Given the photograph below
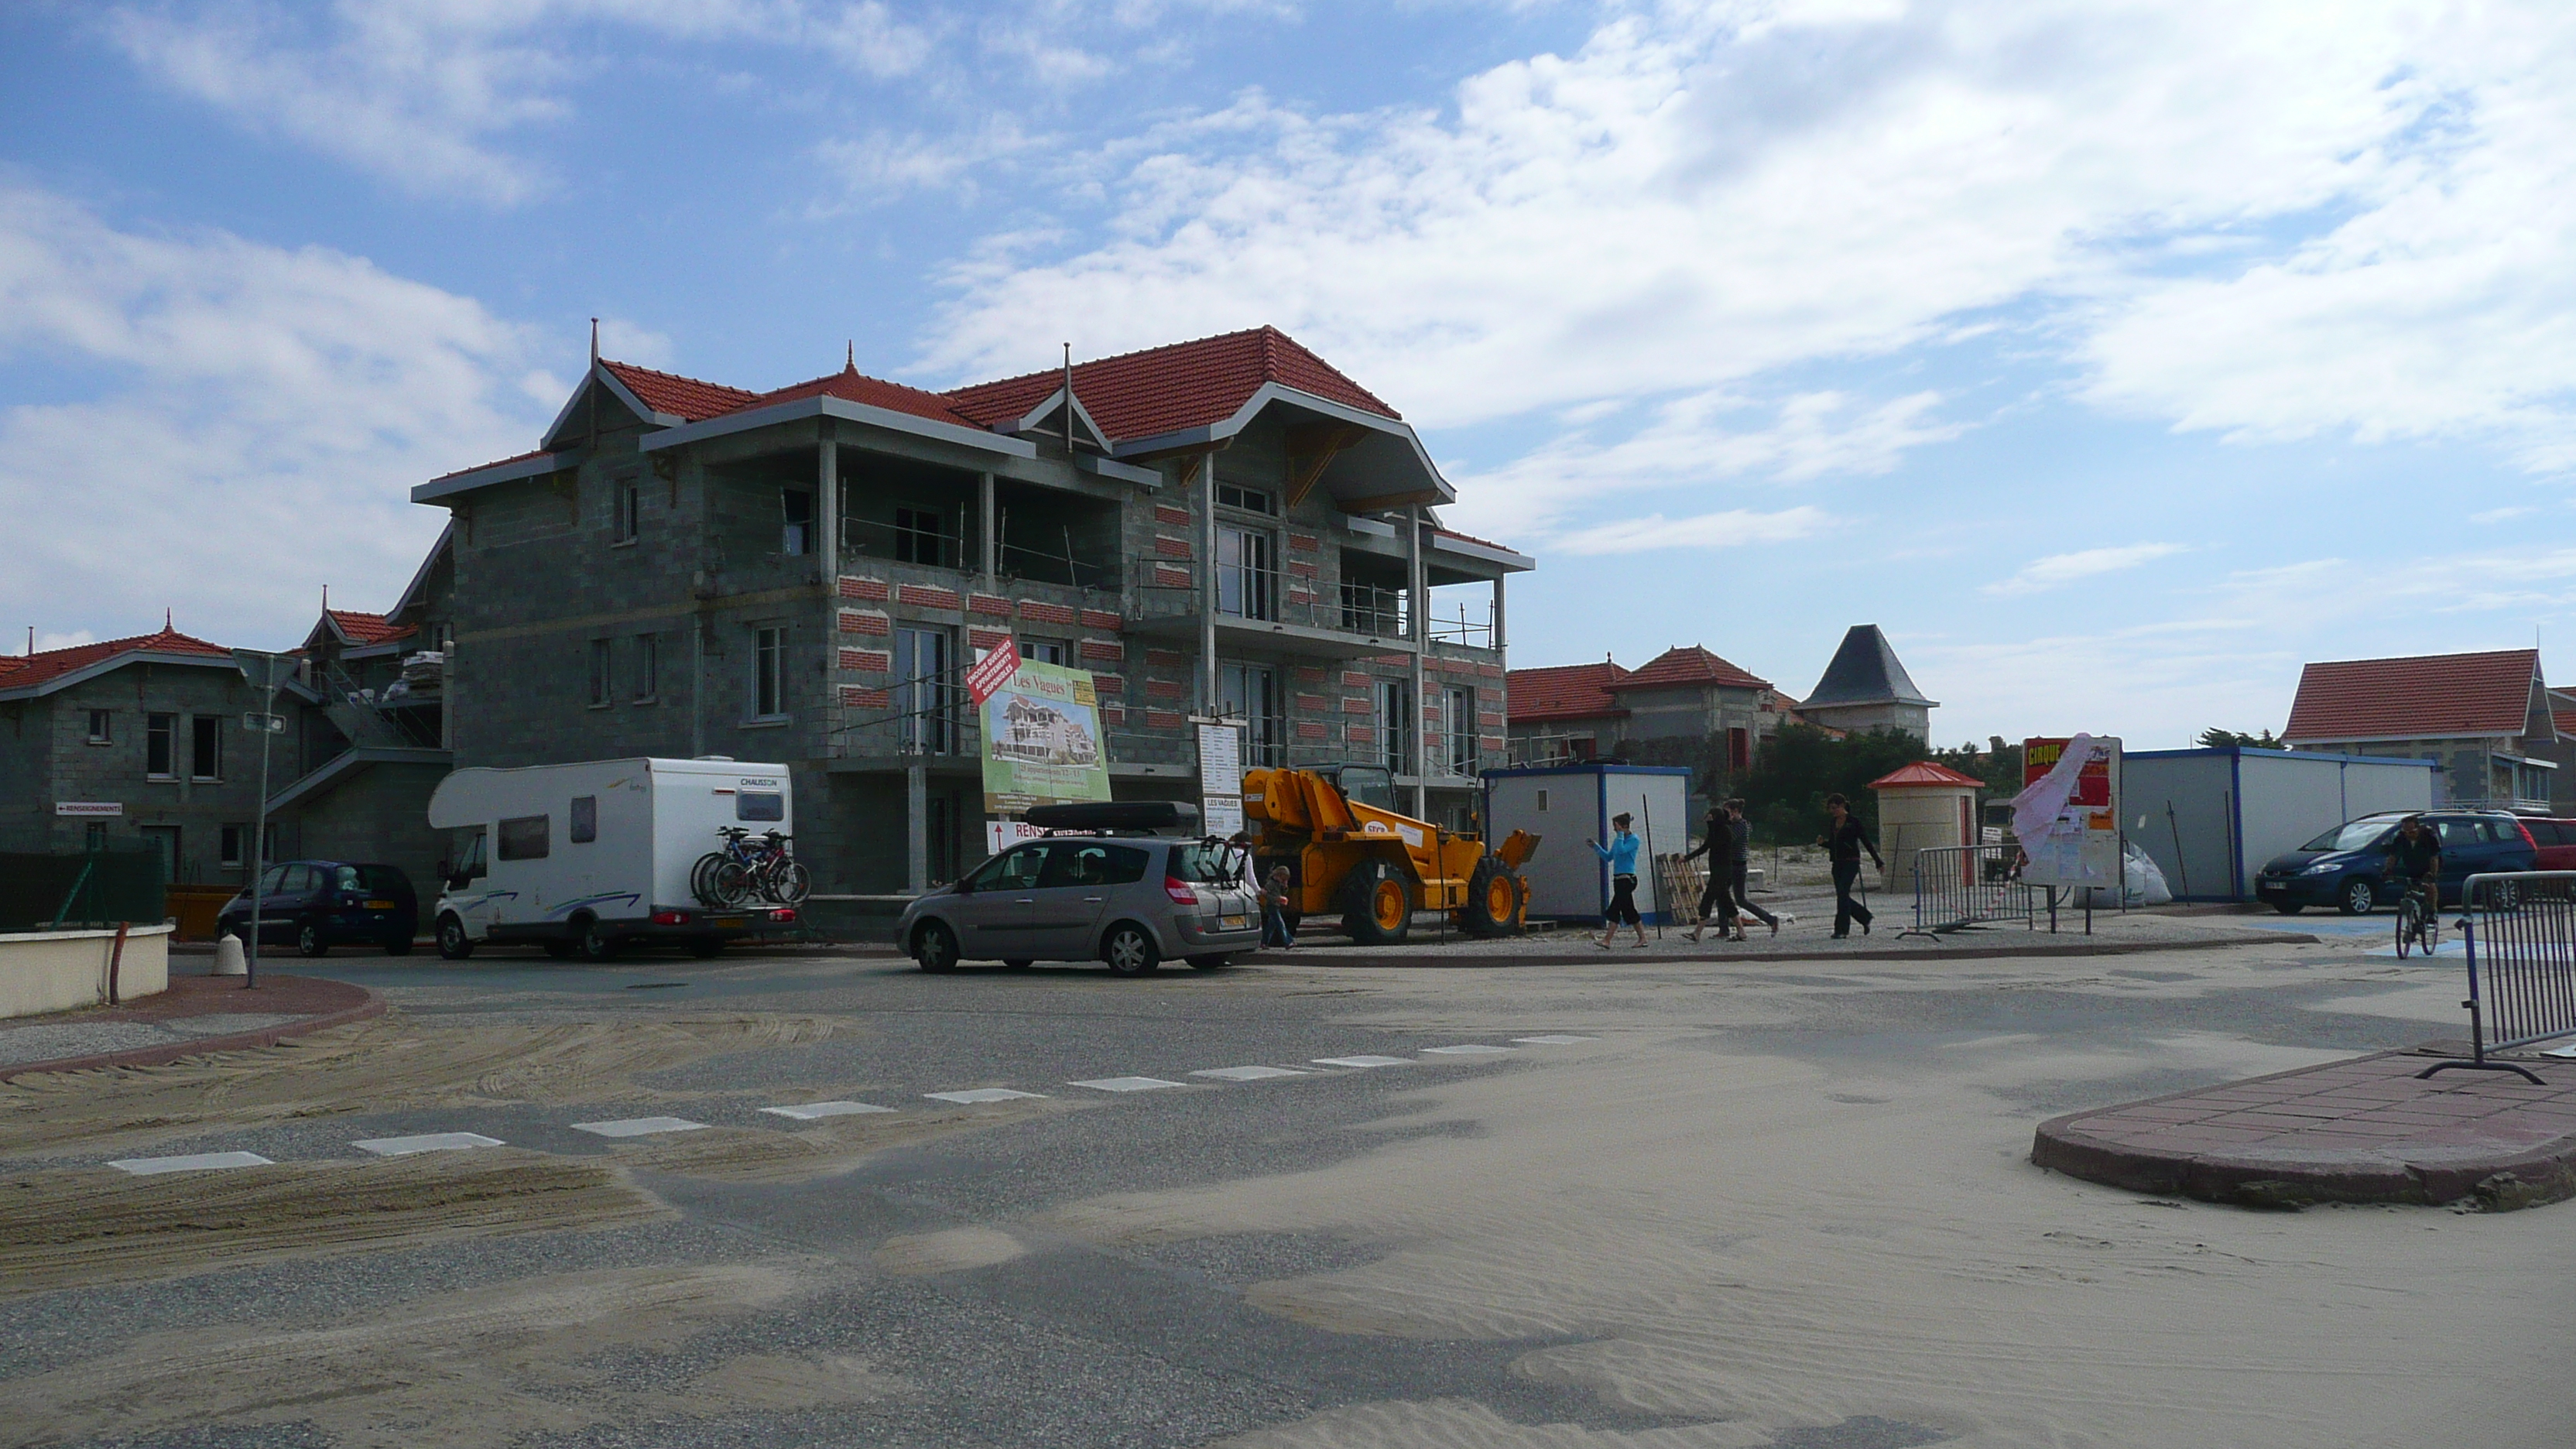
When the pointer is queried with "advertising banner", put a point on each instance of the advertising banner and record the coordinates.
(1042, 742)
(2068, 813)
(993, 668)
(1221, 779)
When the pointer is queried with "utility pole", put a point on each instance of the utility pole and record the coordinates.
(262, 671)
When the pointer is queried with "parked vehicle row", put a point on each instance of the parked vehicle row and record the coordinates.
(2347, 867)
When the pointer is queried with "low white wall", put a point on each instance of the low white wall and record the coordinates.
(43, 971)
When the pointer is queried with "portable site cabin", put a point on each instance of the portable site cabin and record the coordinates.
(597, 853)
(2210, 818)
(1563, 804)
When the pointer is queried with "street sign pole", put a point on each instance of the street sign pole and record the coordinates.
(261, 670)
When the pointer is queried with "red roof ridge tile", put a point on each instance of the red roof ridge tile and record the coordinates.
(47, 664)
(1924, 772)
(1563, 691)
(1692, 664)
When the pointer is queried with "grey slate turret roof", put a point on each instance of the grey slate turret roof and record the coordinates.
(1865, 671)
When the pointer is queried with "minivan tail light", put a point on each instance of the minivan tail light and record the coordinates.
(1179, 890)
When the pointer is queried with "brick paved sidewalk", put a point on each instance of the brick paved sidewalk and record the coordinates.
(197, 1014)
(2366, 1130)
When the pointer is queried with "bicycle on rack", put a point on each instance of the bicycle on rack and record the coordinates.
(2419, 919)
(750, 867)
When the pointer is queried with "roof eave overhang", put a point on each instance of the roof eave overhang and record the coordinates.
(625, 396)
(456, 483)
(1867, 703)
(2513, 733)
(411, 593)
(1213, 434)
(1502, 558)
(110, 665)
(842, 410)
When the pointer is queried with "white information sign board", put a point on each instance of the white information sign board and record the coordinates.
(1220, 779)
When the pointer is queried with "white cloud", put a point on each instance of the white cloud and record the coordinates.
(2501, 515)
(2060, 569)
(883, 167)
(1714, 531)
(265, 412)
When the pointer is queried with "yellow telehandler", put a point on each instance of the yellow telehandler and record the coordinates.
(1347, 850)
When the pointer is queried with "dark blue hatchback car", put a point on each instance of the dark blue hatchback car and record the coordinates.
(314, 905)
(2344, 867)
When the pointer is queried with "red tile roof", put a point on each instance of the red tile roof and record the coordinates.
(852, 385)
(1692, 665)
(50, 664)
(1165, 389)
(683, 397)
(2427, 696)
(1923, 773)
(1564, 691)
(360, 628)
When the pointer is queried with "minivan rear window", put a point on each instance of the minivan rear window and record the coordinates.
(381, 880)
(1203, 863)
(759, 805)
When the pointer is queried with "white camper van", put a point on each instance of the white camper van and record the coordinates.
(590, 856)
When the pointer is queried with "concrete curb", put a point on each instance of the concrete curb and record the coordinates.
(1694, 955)
(369, 1004)
(2505, 1180)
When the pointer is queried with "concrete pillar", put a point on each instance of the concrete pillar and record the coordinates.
(1209, 695)
(1498, 614)
(1418, 602)
(916, 824)
(989, 559)
(827, 506)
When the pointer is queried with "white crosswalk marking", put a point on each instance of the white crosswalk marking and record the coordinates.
(1557, 1039)
(193, 1162)
(426, 1142)
(1250, 1074)
(980, 1094)
(1467, 1051)
(1125, 1084)
(639, 1126)
(1364, 1061)
(810, 1111)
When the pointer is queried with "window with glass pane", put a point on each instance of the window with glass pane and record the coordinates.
(796, 521)
(768, 673)
(648, 666)
(627, 497)
(600, 680)
(1250, 500)
(99, 723)
(160, 749)
(1044, 651)
(1462, 730)
(1251, 694)
(921, 691)
(1396, 725)
(1245, 581)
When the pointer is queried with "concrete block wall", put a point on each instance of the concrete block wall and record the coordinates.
(58, 729)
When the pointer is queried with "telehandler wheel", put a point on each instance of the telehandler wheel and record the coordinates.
(1493, 905)
(1377, 905)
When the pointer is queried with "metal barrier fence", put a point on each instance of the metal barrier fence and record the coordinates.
(2520, 930)
(66, 892)
(1965, 885)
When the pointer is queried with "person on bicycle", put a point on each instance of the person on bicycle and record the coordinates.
(2415, 863)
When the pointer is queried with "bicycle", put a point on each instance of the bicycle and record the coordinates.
(2417, 922)
(748, 867)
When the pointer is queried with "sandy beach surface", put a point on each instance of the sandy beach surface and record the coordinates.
(1693, 1202)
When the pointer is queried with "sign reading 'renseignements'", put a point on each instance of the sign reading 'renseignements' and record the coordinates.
(92, 809)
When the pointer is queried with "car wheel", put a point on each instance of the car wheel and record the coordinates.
(2289, 908)
(596, 943)
(2359, 895)
(1021, 963)
(453, 943)
(1217, 962)
(1130, 950)
(309, 940)
(934, 946)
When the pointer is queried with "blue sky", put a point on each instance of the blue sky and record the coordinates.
(2114, 358)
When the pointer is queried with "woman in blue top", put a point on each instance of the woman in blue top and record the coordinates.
(1621, 856)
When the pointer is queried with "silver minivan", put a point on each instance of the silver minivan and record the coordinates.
(1132, 901)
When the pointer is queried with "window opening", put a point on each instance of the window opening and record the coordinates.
(1246, 580)
(528, 837)
(628, 500)
(921, 537)
(160, 759)
(1250, 500)
(602, 683)
(762, 805)
(769, 673)
(796, 521)
(1044, 651)
(1396, 724)
(205, 747)
(921, 697)
(1251, 693)
(1462, 730)
(648, 667)
(99, 721)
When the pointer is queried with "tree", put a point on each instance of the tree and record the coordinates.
(2215, 738)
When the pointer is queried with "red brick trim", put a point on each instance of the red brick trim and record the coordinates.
(927, 596)
(987, 638)
(1166, 546)
(867, 661)
(1304, 542)
(1162, 719)
(988, 605)
(865, 621)
(1163, 689)
(1045, 613)
(858, 697)
(854, 587)
(1168, 577)
(1166, 513)
(1103, 649)
(1102, 619)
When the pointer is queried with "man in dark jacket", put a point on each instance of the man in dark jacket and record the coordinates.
(1718, 846)
(1739, 869)
(1844, 840)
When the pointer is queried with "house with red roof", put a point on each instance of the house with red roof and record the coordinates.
(1591, 711)
(1226, 526)
(127, 743)
(2487, 721)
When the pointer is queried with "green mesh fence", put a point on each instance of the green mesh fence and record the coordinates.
(101, 888)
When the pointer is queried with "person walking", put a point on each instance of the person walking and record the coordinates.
(1621, 856)
(1844, 840)
(1717, 846)
(1739, 869)
(1275, 896)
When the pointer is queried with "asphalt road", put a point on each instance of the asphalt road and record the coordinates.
(927, 1292)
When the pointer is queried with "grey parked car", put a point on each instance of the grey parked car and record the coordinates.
(1129, 900)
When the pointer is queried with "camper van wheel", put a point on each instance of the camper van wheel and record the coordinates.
(453, 943)
(935, 947)
(596, 943)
